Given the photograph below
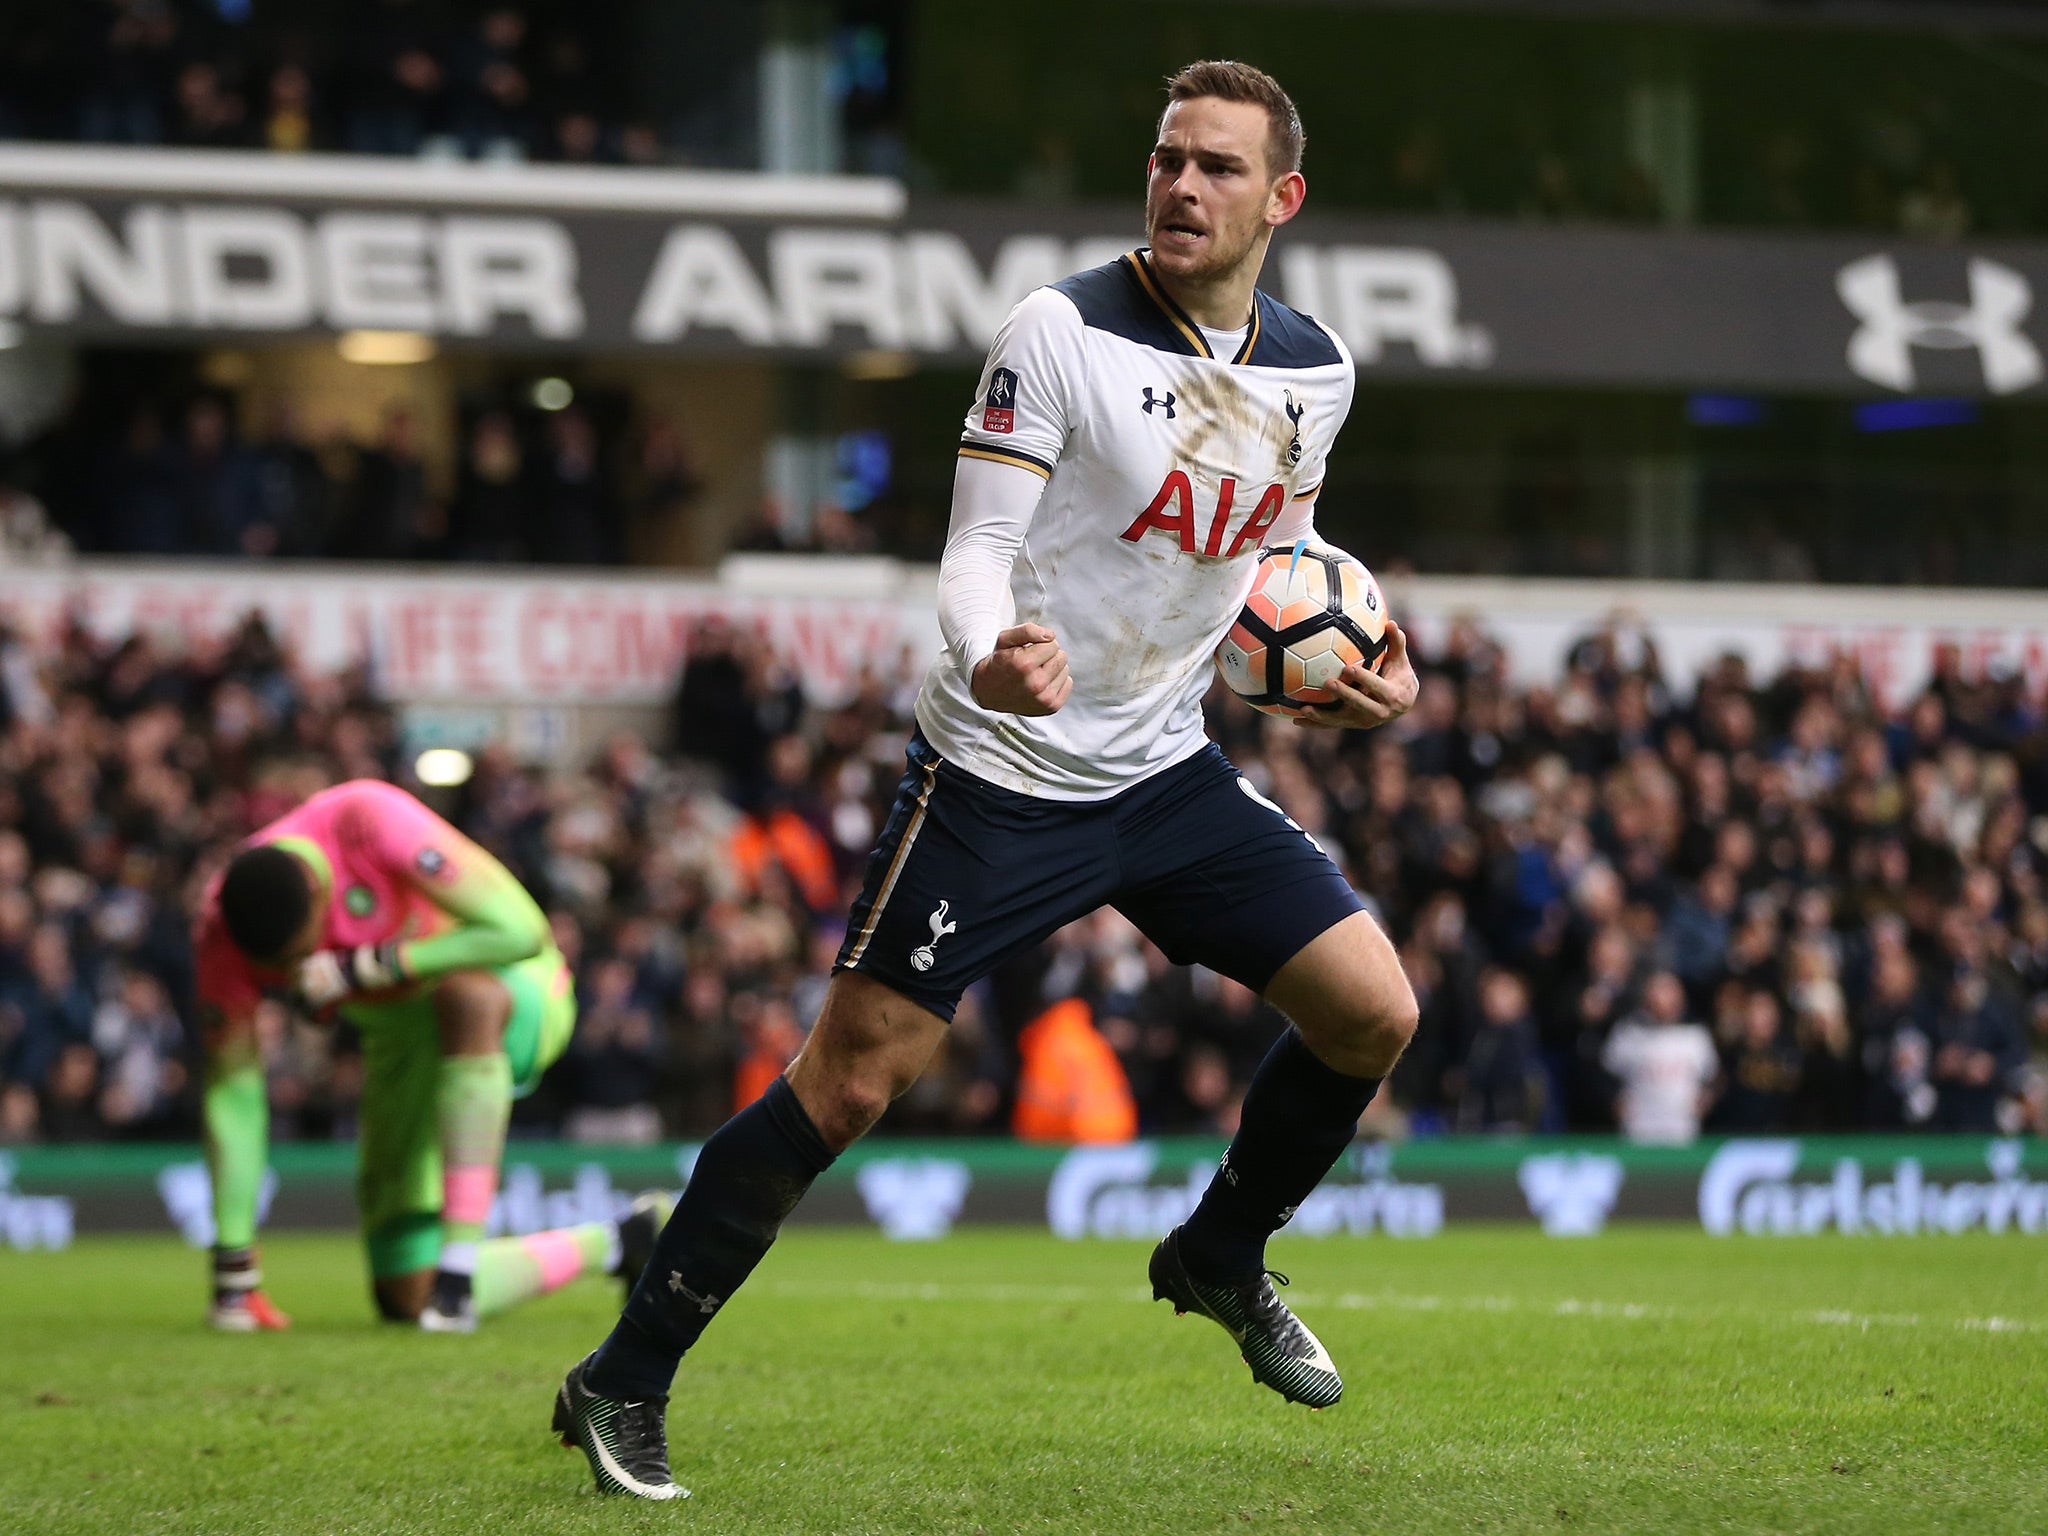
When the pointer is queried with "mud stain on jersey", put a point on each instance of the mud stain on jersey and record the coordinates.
(1230, 429)
(1143, 661)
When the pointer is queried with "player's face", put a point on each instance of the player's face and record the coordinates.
(1209, 192)
(313, 932)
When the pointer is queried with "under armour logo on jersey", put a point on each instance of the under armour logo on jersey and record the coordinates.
(1882, 349)
(1294, 415)
(925, 956)
(1164, 403)
(705, 1304)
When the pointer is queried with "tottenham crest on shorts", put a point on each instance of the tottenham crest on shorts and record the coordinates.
(999, 414)
(925, 956)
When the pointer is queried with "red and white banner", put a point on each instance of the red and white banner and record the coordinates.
(563, 638)
(604, 637)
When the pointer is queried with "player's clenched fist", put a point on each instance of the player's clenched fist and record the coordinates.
(1026, 674)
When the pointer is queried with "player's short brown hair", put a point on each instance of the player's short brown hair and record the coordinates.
(1229, 80)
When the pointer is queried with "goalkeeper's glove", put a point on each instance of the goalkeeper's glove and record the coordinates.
(328, 975)
(239, 1305)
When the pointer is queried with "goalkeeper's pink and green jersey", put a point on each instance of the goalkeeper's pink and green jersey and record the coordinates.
(396, 874)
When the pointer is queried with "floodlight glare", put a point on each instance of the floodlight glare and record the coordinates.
(443, 767)
(380, 348)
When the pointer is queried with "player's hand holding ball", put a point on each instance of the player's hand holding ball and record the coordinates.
(1026, 674)
(1315, 643)
(1363, 697)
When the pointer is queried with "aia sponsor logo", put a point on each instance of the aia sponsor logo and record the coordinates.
(1173, 513)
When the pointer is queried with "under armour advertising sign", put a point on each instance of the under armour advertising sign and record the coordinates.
(1989, 324)
(193, 246)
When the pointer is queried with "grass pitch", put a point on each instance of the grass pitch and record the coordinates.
(1646, 1381)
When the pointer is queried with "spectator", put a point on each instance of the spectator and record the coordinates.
(142, 1042)
(1762, 1074)
(54, 1010)
(612, 1062)
(1978, 1050)
(127, 62)
(1501, 1083)
(1071, 1087)
(27, 538)
(577, 518)
(392, 513)
(208, 115)
(1666, 1067)
(493, 510)
(493, 94)
(140, 505)
(399, 85)
(70, 1092)
(288, 122)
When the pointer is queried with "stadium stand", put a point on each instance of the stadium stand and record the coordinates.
(1849, 901)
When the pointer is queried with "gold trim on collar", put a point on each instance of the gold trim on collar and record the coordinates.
(1173, 312)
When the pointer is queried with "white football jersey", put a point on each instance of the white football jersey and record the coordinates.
(1167, 469)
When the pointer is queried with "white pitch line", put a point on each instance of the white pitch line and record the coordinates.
(1387, 1301)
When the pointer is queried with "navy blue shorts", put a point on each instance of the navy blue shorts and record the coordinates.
(967, 874)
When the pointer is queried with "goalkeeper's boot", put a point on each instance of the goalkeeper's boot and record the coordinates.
(627, 1443)
(239, 1303)
(1282, 1353)
(245, 1312)
(452, 1306)
(638, 1229)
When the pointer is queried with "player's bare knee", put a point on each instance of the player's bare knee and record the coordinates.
(1395, 1027)
(850, 1110)
(1359, 1036)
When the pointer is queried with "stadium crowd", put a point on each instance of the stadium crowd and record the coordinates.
(166, 473)
(1771, 905)
(404, 78)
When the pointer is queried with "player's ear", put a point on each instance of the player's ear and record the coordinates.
(1286, 198)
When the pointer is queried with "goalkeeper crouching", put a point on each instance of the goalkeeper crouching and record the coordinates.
(364, 902)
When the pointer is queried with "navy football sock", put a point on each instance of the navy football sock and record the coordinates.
(750, 1175)
(1299, 1115)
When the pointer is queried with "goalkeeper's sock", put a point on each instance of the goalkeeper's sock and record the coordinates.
(237, 1132)
(473, 1101)
(750, 1175)
(510, 1270)
(1299, 1115)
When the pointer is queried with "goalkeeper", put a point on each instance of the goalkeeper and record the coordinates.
(365, 901)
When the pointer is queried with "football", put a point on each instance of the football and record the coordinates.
(1312, 612)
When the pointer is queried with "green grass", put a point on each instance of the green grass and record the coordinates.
(1647, 1381)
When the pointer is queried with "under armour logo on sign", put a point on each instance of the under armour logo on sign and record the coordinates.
(1882, 349)
(1164, 403)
